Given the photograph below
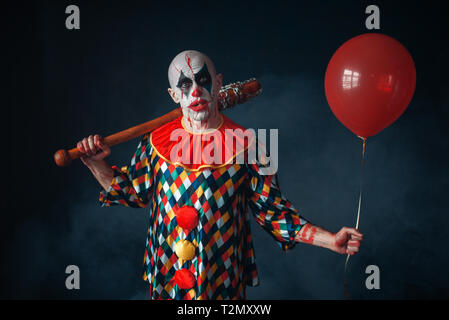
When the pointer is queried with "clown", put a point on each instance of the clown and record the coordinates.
(199, 243)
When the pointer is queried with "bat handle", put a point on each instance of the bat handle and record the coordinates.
(63, 157)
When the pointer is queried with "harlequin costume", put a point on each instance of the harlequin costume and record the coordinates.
(199, 243)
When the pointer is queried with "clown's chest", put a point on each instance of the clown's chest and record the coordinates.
(209, 191)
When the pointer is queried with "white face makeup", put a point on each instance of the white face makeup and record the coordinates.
(194, 85)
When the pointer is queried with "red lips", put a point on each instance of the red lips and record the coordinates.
(199, 105)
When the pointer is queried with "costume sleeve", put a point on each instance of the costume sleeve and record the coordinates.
(132, 185)
(271, 209)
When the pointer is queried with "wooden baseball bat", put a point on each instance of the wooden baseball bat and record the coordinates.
(229, 96)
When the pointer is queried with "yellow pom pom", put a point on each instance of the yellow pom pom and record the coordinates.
(185, 250)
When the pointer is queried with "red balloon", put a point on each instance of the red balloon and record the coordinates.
(369, 82)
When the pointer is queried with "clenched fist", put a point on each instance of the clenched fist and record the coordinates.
(347, 241)
(93, 149)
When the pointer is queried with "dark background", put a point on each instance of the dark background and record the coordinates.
(62, 85)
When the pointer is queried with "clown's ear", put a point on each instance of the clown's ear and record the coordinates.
(173, 95)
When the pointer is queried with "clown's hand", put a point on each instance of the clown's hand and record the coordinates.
(347, 241)
(93, 149)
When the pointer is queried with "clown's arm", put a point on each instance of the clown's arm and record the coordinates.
(282, 221)
(93, 152)
(130, 185)
(345, 241)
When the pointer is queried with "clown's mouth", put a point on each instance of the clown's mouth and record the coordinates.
(199, 105)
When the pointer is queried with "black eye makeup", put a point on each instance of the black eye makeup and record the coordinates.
(203, 78)
(184, 83)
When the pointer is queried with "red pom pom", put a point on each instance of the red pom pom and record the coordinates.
(187, 217)
(184, 279)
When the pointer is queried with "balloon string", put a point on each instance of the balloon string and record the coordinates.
(358, 211)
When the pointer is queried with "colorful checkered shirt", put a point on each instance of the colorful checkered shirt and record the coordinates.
(225, 260)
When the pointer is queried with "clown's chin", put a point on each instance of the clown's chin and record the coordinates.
(200, 115)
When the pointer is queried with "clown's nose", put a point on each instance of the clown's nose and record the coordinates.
(196, 93)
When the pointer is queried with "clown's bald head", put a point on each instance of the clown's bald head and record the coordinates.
(194, 84)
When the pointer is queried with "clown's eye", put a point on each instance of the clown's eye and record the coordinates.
(186, 85)
(203, 80)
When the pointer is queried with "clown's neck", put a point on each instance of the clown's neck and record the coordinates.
(202, 126)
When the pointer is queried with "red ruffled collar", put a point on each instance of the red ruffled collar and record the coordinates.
(194, 151)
